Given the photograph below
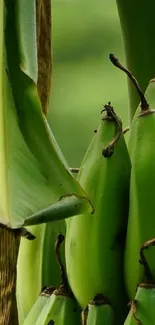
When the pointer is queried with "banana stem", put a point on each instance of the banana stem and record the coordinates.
(126, 130)
(116, 63)
(111, 115)
(143, 261)
(133, 310)
(64, 280)
(84, 316)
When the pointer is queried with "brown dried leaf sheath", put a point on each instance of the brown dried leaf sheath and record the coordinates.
(9, 245)
(43, 18)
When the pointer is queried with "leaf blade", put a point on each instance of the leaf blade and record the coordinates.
(33, 171)
(26, 34)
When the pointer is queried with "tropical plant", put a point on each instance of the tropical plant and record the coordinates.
(105, 214)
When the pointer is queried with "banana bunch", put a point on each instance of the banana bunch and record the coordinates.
(98, 312)
(57, 306)
(102, 249)
(94, 245)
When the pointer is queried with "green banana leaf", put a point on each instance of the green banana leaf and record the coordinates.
(25, 12)
(33, 173)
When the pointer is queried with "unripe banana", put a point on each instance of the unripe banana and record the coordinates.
(38, 306)
(142, 310)
(37, 260)
(94, 246)
(29, 267)
(141, 222)
(61, 308)
(98, 312)
(150, 96)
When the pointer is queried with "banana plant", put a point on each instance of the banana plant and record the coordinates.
(35, 182)
(137, 23)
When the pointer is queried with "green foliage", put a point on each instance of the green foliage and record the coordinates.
(33, 170)
(36, 183)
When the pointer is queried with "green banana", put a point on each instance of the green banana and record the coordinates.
(142, 309)
(38, 306)
(29, 267)
(141, 222)
(94, 247)
(150, 96)
(39, 260)
(98, 312)
(61, 308)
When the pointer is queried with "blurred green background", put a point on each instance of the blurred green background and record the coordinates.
(84, 32)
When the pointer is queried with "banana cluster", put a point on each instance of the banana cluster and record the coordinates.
(106, 269)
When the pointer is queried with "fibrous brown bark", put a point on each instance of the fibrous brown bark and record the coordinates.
(9, 245)
(43, 20)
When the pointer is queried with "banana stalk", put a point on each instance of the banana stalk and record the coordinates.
(139, 43)
(50, 269)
